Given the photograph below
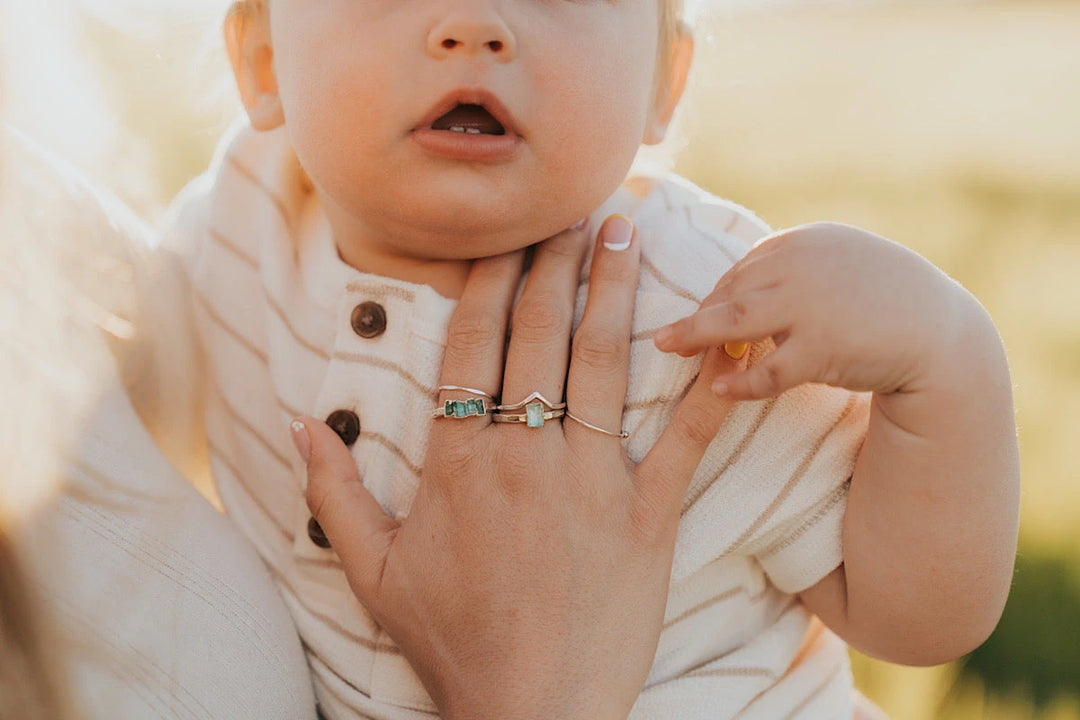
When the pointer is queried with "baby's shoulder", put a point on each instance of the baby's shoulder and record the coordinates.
(252, 189)
(689, 236)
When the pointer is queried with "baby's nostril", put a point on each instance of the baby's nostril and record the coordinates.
(495, 45)
(449, 43)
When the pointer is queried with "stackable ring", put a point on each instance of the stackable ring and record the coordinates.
(622, 434)
(457, 409)
(472, 391)
(535, 397)
(534, 415)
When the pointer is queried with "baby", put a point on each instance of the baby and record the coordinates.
(392, 143)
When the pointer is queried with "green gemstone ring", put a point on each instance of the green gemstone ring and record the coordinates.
(473, 407)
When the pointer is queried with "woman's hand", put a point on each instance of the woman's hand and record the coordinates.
(530, 578)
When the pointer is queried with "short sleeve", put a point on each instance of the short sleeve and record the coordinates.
(773, 484)
(797, 537)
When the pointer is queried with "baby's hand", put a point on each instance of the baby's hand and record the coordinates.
(844, 306)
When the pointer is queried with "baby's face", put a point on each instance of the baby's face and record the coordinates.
(464, 128)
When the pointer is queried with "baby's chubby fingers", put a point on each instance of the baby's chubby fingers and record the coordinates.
(779, 371)
(745, 306)
(748, 317)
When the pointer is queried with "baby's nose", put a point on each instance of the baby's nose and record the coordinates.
(472, 31)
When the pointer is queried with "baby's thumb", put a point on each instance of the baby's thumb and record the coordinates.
(350, 518)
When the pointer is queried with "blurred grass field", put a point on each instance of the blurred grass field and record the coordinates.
(953, 128)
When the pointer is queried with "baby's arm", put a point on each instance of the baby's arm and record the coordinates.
(931, 523)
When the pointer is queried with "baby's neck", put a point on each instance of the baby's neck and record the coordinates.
(446, 277)
(379, 256)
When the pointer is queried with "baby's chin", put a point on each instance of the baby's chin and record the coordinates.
(468, 236)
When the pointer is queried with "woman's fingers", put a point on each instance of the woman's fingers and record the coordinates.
(664, 474)
(476, 338)
(348, 514)
(540, 332)
(599, 365)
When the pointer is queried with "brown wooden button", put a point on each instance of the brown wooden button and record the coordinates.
(346, 424)
(315, 532)
(369, 320)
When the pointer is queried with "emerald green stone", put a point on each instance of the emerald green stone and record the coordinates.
(534, 415)
(480, 409)
(470, 407)
(448, 410)
(460, 409)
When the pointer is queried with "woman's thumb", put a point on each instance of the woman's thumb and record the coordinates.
(354, 523)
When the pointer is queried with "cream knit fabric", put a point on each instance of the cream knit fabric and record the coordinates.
(160, 608)
(762, 518)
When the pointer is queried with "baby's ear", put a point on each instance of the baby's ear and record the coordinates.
(247, 38)
(671, 82)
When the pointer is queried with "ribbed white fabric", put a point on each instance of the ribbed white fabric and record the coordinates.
(762, 518)
(162, 608)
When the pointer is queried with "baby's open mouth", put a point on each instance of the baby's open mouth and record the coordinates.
(469, 119)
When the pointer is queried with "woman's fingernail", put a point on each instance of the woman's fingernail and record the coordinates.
(735, 350)
(580, 224)
(618, 232)
(299, 432)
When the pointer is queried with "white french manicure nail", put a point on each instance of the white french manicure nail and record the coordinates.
(619, 231)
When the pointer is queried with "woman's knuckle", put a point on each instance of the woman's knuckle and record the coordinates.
(516, 471)
(473, 332)
(697, 423)
(598, 348)
(540, 317)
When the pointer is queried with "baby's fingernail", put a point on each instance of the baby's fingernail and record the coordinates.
(618, 232)
(580, 224)
(735, 350)
(664, 336)
(299, 432)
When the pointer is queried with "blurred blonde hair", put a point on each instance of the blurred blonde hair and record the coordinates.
(62, 280)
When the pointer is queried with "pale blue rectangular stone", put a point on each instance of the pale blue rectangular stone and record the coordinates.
(534, 415)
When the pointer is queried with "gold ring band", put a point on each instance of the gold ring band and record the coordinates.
(622, 434)
(474, 391)
(534, 415)
(534, 397)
